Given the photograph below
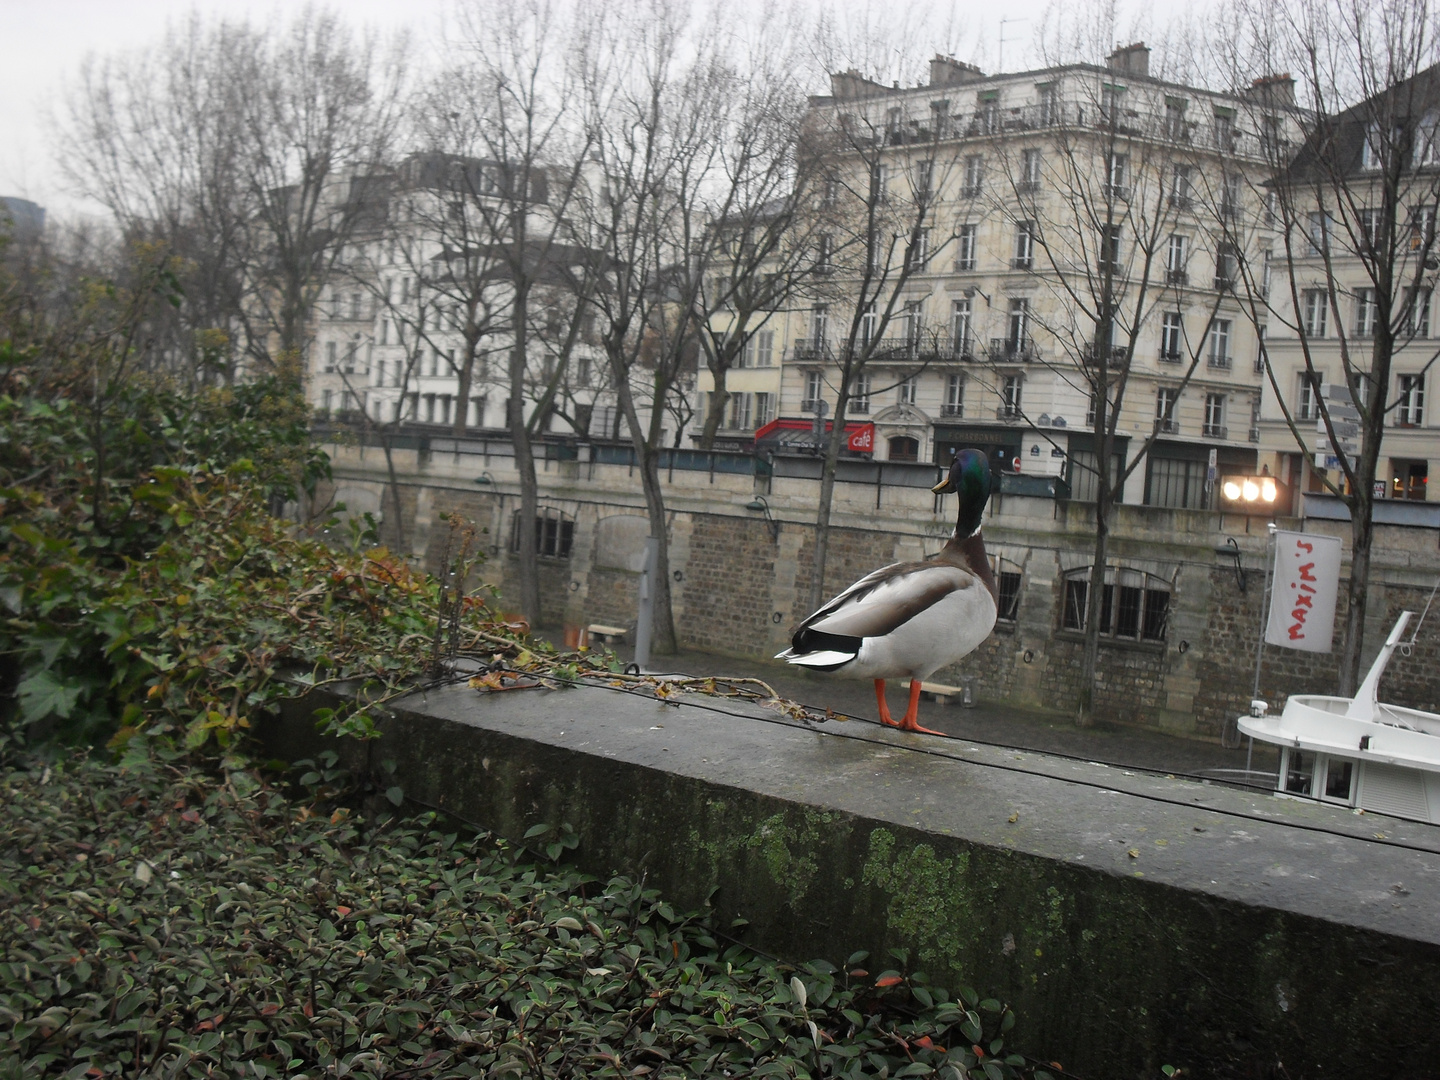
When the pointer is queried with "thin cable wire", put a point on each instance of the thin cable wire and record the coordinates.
(1004, 767)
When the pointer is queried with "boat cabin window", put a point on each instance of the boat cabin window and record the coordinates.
(1318, 776)
(1339, 779)
(1300, 773)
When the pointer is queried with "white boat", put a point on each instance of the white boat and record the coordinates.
(1357, 752)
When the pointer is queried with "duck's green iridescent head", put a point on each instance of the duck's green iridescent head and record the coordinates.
(970, 478)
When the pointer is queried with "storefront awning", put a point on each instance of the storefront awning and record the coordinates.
(793, 433)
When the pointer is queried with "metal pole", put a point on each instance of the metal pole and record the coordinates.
(645, 625)
(1260, 641)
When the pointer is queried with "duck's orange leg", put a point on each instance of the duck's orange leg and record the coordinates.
(885, 717)
(910, 722)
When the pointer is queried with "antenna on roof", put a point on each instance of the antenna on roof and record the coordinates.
(1000, 51)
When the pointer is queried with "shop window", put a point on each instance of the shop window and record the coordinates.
(1134, 605)
(1408, 479)
(554, 533)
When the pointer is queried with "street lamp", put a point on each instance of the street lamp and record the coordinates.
(1252, 495)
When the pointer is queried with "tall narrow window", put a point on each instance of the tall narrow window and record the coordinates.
(330, 349)
(1417, 312)
(954, 403)
(966, 247)
(1220, 344)
(1175, 118)
(822, 253)
(1172, 333)
(974, 175)
(1111, 101)
(1307, 404)
(764, 409)
(1018, 341)
(1110, 248)
(860, 395)
(1372, 151)
(1364, 313)
(1317, 306)
(869, 324)
(905, 392)
(1227, 265)
(914, 322)
(1412, 401)
(1175, 254)
(1024, 245)
(919, 252)
(814, 392)
(960, 326)
(1030, 170)
(879, 182)
(1232, 186)
(819, 325)
(922, 174)
(1214, 417)
(1117, 170)
(1224, 130)
(1049, 105)
(1166, 400)
(1180, 187)
(1368, 225)
(1011, 387)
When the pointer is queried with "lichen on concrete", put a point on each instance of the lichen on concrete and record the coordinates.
(929, 901)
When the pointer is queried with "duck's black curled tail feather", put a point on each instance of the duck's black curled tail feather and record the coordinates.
(838, 649)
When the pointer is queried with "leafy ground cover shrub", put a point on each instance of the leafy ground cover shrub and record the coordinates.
(160, 920)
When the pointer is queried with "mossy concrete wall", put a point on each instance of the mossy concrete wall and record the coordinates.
(1146, 923)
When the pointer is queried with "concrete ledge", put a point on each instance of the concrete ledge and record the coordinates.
(1132, 920)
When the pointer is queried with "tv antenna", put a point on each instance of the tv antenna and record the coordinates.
(1000, 51)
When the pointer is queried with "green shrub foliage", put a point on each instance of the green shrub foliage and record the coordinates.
(168, 922)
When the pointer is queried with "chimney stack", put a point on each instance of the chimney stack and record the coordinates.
(1131, 59)
(947, 71)
(1273, 91)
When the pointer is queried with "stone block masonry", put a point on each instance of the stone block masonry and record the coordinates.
(739, 590)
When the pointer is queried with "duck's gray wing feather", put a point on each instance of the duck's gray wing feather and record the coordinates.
(877, 604)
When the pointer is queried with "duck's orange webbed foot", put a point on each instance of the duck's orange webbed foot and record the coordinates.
(910, 722)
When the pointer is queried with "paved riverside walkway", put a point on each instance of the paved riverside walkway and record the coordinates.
(991, 722)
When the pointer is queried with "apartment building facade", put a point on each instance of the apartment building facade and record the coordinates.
(415, 326)
(1000, 215)
(1350, 308)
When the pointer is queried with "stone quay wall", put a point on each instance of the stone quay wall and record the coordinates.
(740, 588)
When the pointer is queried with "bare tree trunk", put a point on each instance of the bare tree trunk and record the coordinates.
(647, 452)
(1094, 595)
(715, 411)
(827, 500)
(527, 562)
(1362, 533)
(465, 379)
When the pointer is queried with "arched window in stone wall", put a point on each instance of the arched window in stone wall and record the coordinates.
(1008, 577)
(1134, 606)
(554, 533)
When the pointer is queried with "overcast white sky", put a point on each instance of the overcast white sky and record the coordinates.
(46, 40)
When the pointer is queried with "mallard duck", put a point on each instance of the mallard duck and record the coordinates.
(910, 619)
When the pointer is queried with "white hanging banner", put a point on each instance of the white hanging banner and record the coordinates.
(1306, 584)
